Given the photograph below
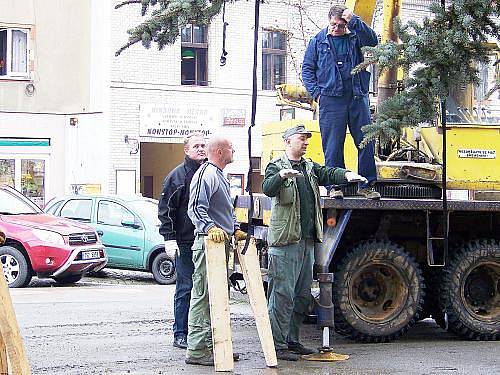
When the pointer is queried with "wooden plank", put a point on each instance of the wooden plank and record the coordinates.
(219, 305)
(9, 331)
(4, 366)
(253, 279)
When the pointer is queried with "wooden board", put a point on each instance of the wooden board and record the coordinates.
(3, 357)
(253, 279)
(219, 305)
(11, 336)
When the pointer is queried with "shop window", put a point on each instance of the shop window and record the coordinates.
(33, 180)
(14, 52)
(273, 59)
(194, 49)
(8, 172)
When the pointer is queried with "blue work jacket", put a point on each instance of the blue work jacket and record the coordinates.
(320, 72)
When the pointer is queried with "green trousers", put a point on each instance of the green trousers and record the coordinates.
(199, 338)
(289, 290)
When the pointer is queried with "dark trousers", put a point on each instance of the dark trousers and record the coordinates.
(335, 114)
(184, 267)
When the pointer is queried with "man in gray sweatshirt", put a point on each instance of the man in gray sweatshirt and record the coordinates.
(211, 210)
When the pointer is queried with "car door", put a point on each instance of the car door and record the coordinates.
(121, 232)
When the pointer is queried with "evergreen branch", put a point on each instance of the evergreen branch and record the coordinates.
(125, 46)
(117, 6)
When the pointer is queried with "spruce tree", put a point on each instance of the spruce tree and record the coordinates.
(435, 55)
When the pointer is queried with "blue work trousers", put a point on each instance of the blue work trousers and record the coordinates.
(184, 267)
(335, 114)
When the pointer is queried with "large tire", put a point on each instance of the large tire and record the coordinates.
(378, 292)
(68, 279)
(15, 267)
(470, 290)
(163, 268)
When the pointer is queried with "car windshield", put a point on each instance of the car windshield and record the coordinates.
(15, 204)
(148, 209)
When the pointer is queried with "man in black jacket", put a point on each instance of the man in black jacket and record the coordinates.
(178, 231)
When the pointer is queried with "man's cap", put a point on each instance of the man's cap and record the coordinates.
(299, 129)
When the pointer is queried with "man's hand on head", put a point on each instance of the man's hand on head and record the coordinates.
(347, 15)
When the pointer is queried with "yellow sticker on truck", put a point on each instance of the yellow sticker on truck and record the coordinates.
(477, 154)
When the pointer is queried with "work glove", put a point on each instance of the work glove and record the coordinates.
(217, 234)
(171, 248)
(239, 235)
(2, 237)
(354, 177)
(289, 173)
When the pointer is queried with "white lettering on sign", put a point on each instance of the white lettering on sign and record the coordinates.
(233, 117)
(166, 121)
(477, 154)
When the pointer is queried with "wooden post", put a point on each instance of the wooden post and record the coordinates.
(219, 305)
(11, 337)
(253, 279)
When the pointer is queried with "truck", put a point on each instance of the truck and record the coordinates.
(424, 249)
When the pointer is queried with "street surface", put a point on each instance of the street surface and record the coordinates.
(121, 323)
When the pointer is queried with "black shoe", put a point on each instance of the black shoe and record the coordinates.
(298, 348)
(286, 355)
(207, 360)
(180, 342)
(236, 357)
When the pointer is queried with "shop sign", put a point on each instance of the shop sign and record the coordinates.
(169, 121)
(233, 117)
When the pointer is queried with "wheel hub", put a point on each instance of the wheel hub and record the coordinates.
(166, 268)
(378, 292)
(10, 267)
(481, 294)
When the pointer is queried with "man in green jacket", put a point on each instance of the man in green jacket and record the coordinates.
(296, 223)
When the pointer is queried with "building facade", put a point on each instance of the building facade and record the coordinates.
(53, 126)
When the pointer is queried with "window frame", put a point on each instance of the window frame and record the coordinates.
(273, 52)
(9, 74)
(196, 47)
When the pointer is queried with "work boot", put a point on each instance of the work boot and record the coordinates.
(206, 360)
(298, 348)
(180, 342)
(336, 194)
(286, 355)
(369, 192)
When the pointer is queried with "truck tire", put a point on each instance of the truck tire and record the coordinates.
(470, 292)
(378, 292)
(163, 268)
(15, 267)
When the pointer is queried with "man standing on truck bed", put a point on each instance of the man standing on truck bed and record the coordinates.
(342, 97)
(211, 211)
(178, 231)
(296, 223)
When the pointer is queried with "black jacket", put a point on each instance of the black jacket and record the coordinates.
(172, 208)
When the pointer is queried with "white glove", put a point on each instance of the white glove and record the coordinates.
(289, 173)
(171, 248)
(354, 177)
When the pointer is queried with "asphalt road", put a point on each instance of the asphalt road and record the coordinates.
(121, 323)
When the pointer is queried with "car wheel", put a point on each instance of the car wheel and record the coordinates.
(15, 267)
(163, 269)
(68, 279)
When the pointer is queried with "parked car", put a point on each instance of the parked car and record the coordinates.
(128, 228)
(44, 245)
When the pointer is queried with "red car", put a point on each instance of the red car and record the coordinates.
(44, 245)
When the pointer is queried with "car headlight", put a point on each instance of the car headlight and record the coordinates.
(48, 236)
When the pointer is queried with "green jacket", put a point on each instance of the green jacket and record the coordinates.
(285, 227)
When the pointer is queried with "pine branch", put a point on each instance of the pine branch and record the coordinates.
(117, 6)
